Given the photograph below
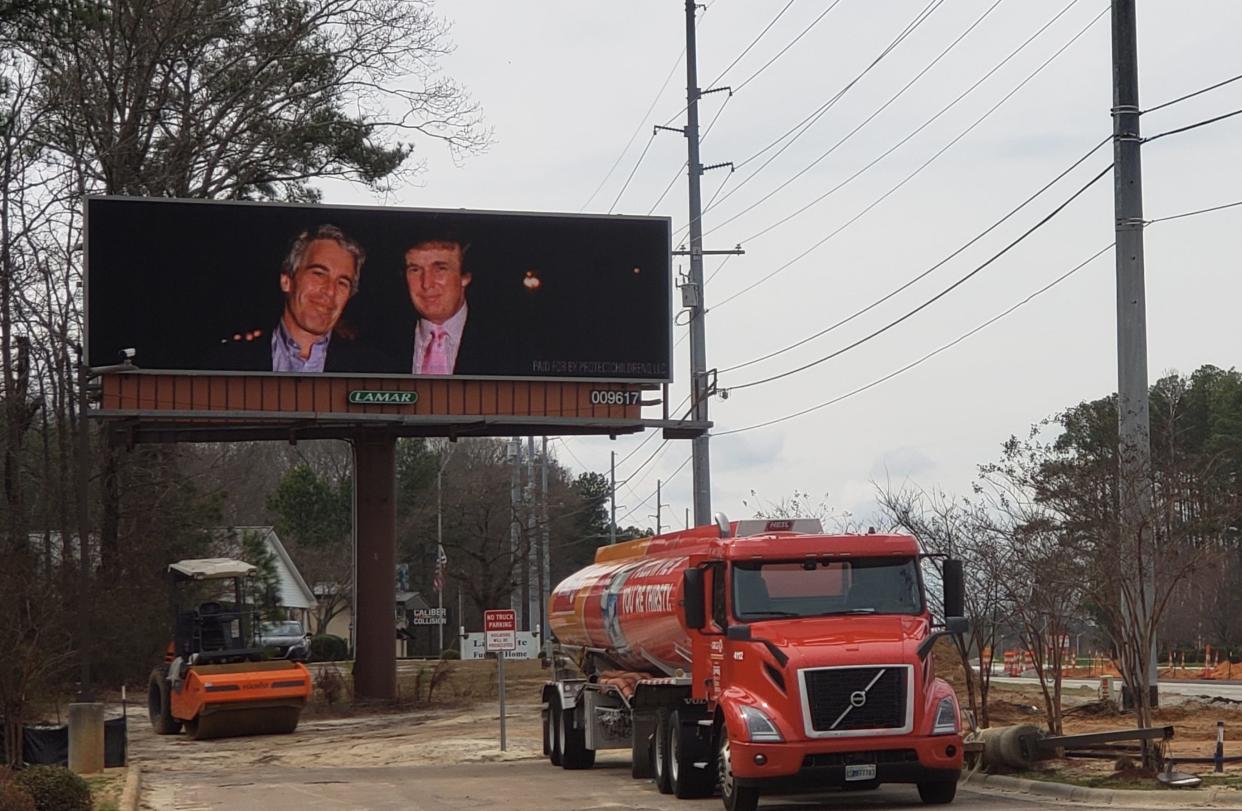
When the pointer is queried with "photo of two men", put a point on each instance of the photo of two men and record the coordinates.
(396, 292)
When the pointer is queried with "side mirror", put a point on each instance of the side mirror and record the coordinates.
(693, 598)
(954, 589)
(298, 653)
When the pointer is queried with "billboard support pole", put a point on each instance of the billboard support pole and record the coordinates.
(375, 539)
(701, 463)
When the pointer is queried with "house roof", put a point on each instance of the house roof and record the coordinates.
(294, 592)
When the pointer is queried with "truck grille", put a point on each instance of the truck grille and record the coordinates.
(844, 699)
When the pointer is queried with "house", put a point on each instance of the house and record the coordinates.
(293, 594)
(407, 602)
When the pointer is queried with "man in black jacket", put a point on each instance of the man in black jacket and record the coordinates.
(319, 276)
(446, 339)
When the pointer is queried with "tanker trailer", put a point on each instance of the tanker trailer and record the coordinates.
(757, 656)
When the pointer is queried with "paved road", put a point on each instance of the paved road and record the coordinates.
(1231, 690)
(527, 785)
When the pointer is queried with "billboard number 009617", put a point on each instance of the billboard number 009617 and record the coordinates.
(611, 397)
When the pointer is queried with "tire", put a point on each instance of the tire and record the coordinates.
(689, 782)
(159, 705)
(659, 754)
(574, 754)
(640, 748)
(734, 797)
(550, 748)
(939, 793)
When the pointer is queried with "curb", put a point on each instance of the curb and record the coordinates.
(1174, 798)
(132, 792)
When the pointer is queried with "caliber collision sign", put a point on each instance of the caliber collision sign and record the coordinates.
(235, 287)
(500, 626)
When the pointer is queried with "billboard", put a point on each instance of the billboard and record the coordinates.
(196, 286)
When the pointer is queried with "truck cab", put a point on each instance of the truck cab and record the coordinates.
(818, 667)
(764, 660)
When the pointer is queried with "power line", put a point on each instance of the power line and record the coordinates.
(637, 163)
(805, 124)
(931, 269)
(924, 358)
(1047, 218)
(782, 51)
(643, 503)
(1190, 95)
(1194, 126)
(892, 99)
(1194, 213)
(637, 129)
(915, 173)
(684, 164)
(753, 43)
(908, 137)
(767, 64)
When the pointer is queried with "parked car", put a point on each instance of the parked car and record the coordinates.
(282, 635)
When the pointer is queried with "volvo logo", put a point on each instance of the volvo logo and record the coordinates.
(858, 698)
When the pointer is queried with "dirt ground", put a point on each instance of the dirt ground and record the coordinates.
(461, 726)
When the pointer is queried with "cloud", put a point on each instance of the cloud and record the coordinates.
(753, 450)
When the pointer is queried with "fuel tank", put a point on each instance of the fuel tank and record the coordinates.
(628, 603)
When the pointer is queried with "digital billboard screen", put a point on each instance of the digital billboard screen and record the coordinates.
(225, 287)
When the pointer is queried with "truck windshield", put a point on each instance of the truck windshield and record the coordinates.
(775, 589)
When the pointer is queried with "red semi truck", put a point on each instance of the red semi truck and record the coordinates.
(755, 657)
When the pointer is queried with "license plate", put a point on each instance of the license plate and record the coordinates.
(860, 772)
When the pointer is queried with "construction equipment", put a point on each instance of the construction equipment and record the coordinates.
(215, 682)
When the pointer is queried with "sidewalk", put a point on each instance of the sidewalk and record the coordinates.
(1096, 797)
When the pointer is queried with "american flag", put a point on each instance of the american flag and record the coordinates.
(437, 579)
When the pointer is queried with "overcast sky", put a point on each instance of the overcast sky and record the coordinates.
(566, 85)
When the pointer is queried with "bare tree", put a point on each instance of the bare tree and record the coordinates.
(960, 529)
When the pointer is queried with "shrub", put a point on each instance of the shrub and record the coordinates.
(328, 648)
(450, 653)
(330, 684)
(55, 788)
(13, 797)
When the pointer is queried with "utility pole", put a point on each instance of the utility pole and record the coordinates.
(612, 496)
(516, 599)
(659, 513)
(1134, 451)
(534, 589)
(693, 296)
(545, 548)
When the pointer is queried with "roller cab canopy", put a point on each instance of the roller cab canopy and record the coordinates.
(210, 569)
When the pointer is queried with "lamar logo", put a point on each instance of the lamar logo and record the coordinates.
(383, 397)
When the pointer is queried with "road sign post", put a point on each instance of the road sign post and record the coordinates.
(500, 631)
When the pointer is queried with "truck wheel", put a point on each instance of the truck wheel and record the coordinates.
(640, 747)
(551, 731)
(688, 780)
(734, 797)
(659, 754)
(939, 793)
(574, 754)
(159, 705)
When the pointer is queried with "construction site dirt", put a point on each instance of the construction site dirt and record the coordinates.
(458, 735)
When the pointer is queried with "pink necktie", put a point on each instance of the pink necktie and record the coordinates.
(436, 359)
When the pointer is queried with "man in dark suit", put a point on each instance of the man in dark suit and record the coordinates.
(319, 276)
(446, 339)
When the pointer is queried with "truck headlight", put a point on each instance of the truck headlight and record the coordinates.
(759, 728)
(946, 718)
